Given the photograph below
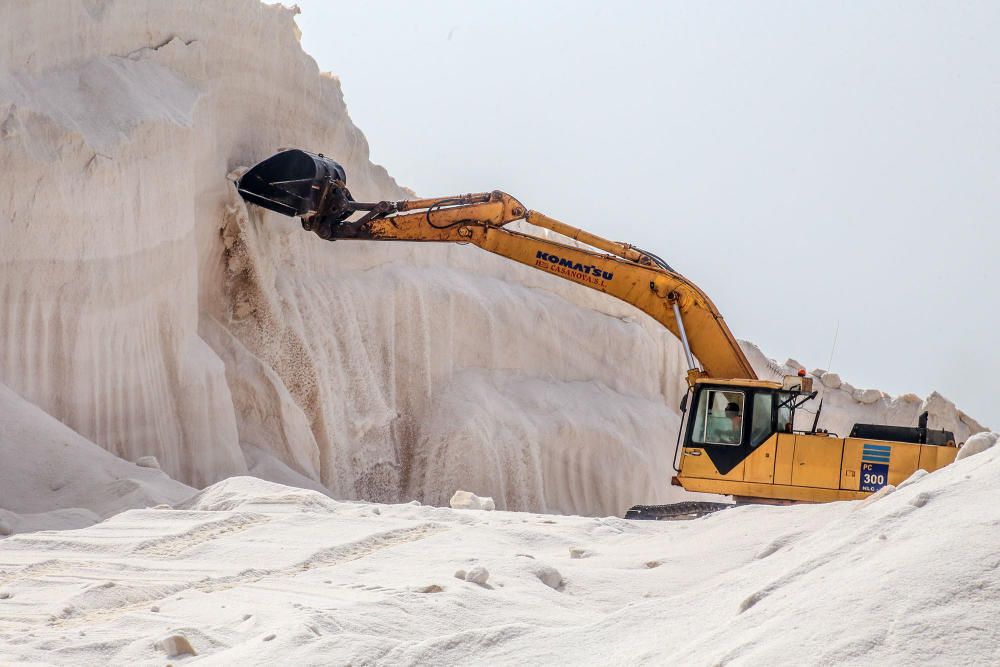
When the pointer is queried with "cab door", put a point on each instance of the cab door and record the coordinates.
(759, 466)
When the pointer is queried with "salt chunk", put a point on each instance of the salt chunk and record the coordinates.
(147, 462)
(463, 500)
(175, 646)
(867, 396)
(794, 365)
(432, 588)
(478, 575)
(549, 576)
(831, 380)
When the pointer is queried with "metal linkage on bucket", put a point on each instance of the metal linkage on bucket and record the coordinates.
(310, 186)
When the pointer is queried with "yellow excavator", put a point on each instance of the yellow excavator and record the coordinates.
(738, 436)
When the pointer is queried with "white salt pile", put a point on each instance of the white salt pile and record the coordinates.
(52, 478)
(145, 307)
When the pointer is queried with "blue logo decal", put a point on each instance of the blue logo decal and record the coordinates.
(875, 466)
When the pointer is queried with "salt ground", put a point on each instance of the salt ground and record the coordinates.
(252, 572)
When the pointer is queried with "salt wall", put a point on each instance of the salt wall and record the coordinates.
(147, 308)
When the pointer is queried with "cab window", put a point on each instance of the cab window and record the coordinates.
(719, 418)
(763, 407)
(785, 414)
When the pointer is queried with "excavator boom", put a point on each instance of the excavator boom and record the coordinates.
(739, 437)
(312, 187)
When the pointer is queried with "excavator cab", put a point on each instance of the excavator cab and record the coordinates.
(729, 419)
(740, 440)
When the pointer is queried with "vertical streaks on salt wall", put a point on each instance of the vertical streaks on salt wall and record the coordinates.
(122, 120)
(413, 378)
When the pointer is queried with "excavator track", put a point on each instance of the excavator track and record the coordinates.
(675, 511)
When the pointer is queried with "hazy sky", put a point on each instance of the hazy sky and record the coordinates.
(806, 164)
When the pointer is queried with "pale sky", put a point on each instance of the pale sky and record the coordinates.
(806, 164)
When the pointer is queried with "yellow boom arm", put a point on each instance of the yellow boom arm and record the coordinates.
(625, 272)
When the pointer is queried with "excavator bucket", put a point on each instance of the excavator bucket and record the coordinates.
(296, 183)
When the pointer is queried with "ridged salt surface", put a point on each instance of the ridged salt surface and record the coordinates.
(253, 573)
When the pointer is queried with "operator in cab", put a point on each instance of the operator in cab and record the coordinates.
(734, 429)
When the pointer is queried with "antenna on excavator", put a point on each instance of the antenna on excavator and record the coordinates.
(816, 418)
(836, 332)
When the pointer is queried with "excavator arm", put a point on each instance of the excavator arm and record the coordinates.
(312, 187)
(739, 437)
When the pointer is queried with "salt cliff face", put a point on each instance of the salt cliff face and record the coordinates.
(147, 308)
(122, 120)
(408, 372)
